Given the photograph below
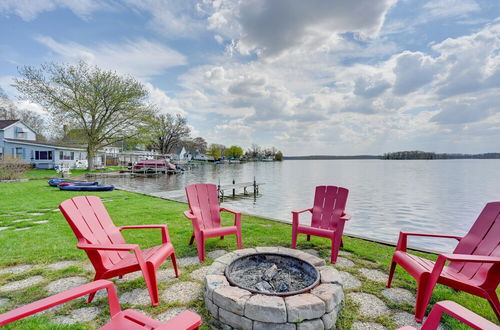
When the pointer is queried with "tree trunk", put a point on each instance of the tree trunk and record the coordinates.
(91, 153)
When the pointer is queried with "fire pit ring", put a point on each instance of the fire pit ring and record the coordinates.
(288, 273)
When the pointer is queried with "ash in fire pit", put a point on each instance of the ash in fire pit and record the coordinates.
(272, 274)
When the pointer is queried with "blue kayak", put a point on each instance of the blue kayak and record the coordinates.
(87, 188)
(56, 182)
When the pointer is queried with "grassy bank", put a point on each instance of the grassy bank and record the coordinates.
(52, 241)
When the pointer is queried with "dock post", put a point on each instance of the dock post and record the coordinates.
(234, 190)
(254, 186)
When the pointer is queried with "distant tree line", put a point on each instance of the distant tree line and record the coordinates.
(406, 155)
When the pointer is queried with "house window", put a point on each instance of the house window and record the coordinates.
(66, 155)
(19, 153)
(43, 155)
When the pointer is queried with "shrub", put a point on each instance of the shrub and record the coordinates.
(12, 168)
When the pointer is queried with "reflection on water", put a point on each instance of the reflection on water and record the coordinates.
(440, 196)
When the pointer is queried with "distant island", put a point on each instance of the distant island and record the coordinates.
(401, 155)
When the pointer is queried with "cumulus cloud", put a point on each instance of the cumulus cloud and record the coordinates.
(29, 10)
(141, 58)
(450, 8)
(413, 70)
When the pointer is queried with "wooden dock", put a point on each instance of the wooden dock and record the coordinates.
(235, 186)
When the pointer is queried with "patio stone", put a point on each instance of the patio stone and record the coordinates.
(374, 275)
(21, 220)
(21, 284)
(4, 302)
(344, 253)
(55, 210)
(64, 284)
(188, 261)
(200, 273)
(165, 316)
(263, 308)
(166, 275)
(41, 221)
(36, 214)
(85, 314)
(21, 229)
(216, 254)
(399, 296)
(62, 264)
(4, 228)
(231, 299)
(127, 277)
(182, 292)
(369, 305)
(349, 281)
(136, 297)
(344, 262)
(16, 269)
(311, 325)
(403, 319)
(367, 326)
(88, 267)
(304, 307)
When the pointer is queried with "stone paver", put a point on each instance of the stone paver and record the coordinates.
(22, 284)
(200, 273)
(88, 267)
(188, 261)
(403, 319)
(304, 307)
(4, 302)
(263, 308)
(62, 264)
(16, 269)
(85, 314)
(399, 296)
(182, 292)
(166, 275)
(41, 221)
(21, 220)
(344, 262)
(126, 278)
(65, 283)
(374, 275)
(369, 305)
(349, 281)
(21, 229)
(216, 254)
(367, 326)
(4, 228)
(165, 316)
(136, 297)
(36, 214)
(344, 253)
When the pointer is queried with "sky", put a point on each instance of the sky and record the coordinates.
(308, 77)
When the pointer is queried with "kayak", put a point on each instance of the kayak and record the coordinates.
(87, 188)
(58, 181)
(76, 183)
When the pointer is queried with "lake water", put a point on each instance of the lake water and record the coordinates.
(436, 196)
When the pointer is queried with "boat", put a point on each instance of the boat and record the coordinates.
(57, 181)
(83, 183)
(87, 188)
(152, 166)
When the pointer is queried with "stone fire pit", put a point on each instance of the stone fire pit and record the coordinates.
(265, 304)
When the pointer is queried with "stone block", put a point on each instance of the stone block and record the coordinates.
(217, 268)
(329, 275)
(227, 258)
(231, 299)
(212, 308)
(235, 320)
(267, 249)
(257, 325)
(315, 261)
(244, 252)
(331, 294)
(311, 325)
(304, 307)
(270, 309)
(213, 282)
(329, 319)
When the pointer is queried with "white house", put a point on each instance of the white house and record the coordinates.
(18, 140)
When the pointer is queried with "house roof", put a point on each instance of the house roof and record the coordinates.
(43, 144)
(7, 123)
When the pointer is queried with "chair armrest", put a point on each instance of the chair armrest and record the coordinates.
(165, 237)
(345, 217)
(108, 247)
(403, 238)
(302, 211)
(61, 298)
(228, 210)
(185, 320)
(188, 214)
(470, 258)
(458, 312)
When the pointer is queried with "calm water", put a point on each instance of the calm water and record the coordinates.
(439, 196)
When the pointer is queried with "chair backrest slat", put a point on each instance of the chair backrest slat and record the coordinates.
(91, 223)
(329, 206)
(204, 203)
(482, 239)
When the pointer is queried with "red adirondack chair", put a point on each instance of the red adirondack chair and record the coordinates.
(458, 312)
(328, 217)
(127, 319)
(106, 247)
(204, 213)
(474, 266)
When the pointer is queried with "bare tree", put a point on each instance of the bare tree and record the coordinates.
(167, 132)
(106, 106)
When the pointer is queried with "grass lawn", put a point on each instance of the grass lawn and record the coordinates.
(52, 241)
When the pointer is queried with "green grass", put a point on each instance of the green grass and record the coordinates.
(54, 241)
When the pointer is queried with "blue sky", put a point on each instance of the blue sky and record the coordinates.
(309, 77)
